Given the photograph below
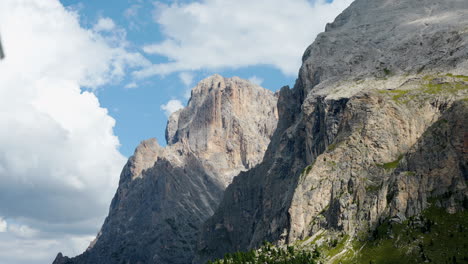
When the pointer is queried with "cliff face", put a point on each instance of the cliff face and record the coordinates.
(227, 124)
(374, 129)
(165, 194)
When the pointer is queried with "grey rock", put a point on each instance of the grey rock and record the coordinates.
(359, 137)
(165, 194)
(388, 37)
(374, 128)
(227, 124)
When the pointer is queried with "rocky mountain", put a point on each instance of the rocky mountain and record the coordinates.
(367, 162)
(166, 193)
(374, 131)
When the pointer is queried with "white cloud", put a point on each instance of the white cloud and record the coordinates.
(171, 106)
(104, 24)
(59, 158)
(131, 85)
(23, 231)
(186, 78)
(213, 34)
(256, 80)
(20, 250)
(3, 225)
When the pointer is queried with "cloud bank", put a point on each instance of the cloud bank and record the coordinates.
(216, 34)
(59, 158)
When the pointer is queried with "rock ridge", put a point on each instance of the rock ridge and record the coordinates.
(382, 86)
(166, 193)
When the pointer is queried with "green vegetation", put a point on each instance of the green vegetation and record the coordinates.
(430, 85)
(307, 169)
(373, 188)
(397, 94)
(317, 238)
(271, 255)
(444, 87)
(434, 237)
(391, 165)
(463, 77)
(409, 173)
(331, 147)
(300, 242)
(337, 246)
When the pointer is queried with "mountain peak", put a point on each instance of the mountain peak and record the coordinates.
(166, 193)
(225, 115)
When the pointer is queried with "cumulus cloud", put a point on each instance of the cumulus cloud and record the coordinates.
(171, 106)
(104, 24)
(214, 34)
(59, 158)
(256, 80)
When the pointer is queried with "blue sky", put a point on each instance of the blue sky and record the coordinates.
(137, 110)
(83, 82)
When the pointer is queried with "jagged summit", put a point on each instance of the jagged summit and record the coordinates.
(165, 193)
(371, 131)
(227, 123)
(144, 157)
(372, 134)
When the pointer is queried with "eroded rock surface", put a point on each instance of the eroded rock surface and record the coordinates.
(166, 193)
(372, 130)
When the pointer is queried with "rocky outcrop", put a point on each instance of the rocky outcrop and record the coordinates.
(385, 38)
(374, 130)
(361, 137)
(364, 176)
(230, 117)
(166, 193)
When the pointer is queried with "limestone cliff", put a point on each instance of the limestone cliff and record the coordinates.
(374, 129)
(373, 132)
(165, 194)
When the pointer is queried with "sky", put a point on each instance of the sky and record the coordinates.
(83, 82)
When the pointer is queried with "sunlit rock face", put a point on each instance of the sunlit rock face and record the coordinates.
(166, 193)
(373, 129)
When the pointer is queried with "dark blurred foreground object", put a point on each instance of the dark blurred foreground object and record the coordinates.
(2, 55)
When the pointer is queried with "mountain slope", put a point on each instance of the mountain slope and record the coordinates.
(165, 194)
(350, 150)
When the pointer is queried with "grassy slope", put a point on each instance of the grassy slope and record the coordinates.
(435, 237)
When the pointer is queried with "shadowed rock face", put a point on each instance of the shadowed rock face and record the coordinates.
(372, 129)
(165, 194)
